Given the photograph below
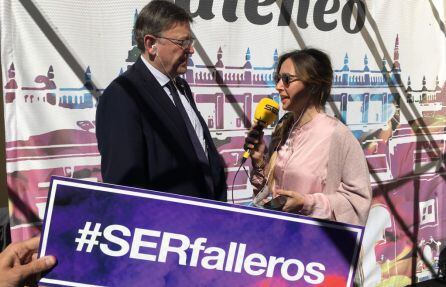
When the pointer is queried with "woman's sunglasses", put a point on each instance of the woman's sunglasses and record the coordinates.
(285, 77)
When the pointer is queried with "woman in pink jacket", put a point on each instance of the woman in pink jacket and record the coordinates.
(313, 162)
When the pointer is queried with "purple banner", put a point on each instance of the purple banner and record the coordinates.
(108, 235)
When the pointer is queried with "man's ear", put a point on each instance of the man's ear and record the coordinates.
(150, 45)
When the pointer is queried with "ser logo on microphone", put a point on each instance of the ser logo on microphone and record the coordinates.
(272, 109)
(266, 111)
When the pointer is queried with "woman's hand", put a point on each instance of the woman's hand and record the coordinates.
(256, 144)
(295, 200)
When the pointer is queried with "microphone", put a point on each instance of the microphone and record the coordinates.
(266, 112)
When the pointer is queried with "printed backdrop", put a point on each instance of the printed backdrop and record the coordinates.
(389, 88)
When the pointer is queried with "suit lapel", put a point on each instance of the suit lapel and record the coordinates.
(160, 104)
(211, 166)
(206, 133)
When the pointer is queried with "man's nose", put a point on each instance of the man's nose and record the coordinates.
(190, 50)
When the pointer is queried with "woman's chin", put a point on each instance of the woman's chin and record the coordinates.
(285, 105)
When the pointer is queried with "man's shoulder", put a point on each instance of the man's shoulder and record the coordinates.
(115, 87)
(122, 82)
(130, 73)
(118, 92)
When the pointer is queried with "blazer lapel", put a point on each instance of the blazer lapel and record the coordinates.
(206, 133)
(211, 165)
(160, 104)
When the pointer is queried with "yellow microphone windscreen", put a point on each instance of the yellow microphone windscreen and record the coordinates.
(266, 111)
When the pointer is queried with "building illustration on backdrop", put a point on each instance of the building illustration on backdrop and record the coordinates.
(373, 102)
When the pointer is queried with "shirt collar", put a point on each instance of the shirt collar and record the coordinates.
(159, 76)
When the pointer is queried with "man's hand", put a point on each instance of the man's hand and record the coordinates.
(18, 263)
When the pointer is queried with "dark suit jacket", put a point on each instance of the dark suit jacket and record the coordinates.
(144, 142)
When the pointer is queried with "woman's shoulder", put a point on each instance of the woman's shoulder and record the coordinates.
(341, 133)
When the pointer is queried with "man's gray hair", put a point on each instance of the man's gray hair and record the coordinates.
(156, 17)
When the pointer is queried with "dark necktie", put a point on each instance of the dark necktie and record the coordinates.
(192, 133)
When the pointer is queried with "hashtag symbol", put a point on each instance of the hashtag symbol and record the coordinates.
(88, 237)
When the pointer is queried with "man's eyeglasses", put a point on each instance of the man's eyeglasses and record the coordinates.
(183, 44)
(285, 77)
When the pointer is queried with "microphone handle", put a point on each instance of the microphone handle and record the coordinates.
(247, 152)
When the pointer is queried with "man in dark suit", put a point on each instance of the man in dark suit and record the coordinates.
(150, 133)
